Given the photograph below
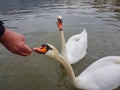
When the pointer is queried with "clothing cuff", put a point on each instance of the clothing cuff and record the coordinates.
(2, 28)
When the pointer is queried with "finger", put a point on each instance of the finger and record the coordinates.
(24, 54)
(23, 50)
(27, 49)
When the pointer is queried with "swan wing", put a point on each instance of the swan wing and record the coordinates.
(104, 74)
(76, 47)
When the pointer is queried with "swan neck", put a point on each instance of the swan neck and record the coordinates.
(67, 67)
(63, 46)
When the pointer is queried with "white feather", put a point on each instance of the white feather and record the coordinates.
(103, 74)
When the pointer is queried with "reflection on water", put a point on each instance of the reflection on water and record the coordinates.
(36, 19)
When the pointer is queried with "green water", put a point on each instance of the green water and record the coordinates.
(36, 19)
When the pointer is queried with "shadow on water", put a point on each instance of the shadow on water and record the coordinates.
(36, 19)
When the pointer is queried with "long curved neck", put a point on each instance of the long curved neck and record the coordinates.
(67, 67)
(63, 46)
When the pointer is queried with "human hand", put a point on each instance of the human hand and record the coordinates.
(15, 42)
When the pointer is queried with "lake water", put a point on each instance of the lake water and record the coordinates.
(36, 19)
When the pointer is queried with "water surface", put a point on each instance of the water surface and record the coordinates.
(36, 19)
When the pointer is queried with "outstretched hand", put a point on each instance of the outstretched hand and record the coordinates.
(15, 42)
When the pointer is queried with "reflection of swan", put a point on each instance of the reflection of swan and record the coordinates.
(104, 74)
(77, 42)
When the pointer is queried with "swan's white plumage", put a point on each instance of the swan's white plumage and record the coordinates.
(103, 74)
(78, 44)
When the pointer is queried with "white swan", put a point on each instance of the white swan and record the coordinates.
(76, 42)
(104, 74)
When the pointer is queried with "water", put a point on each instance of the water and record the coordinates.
(36, 19)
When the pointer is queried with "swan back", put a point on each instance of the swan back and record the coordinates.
(104, 74)
(76, 47)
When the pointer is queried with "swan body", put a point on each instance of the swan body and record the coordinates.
(76, 42)
(104, 74)
(79, 44)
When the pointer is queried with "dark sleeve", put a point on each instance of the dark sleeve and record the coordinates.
(2, 28)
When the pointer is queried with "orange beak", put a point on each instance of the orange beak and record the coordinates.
(41, 50)
(59, 24)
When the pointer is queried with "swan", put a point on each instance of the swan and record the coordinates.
(104, 74)
(76, 42)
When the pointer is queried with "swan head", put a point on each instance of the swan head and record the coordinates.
(59, 22)
(47, 49)
(59, 18)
